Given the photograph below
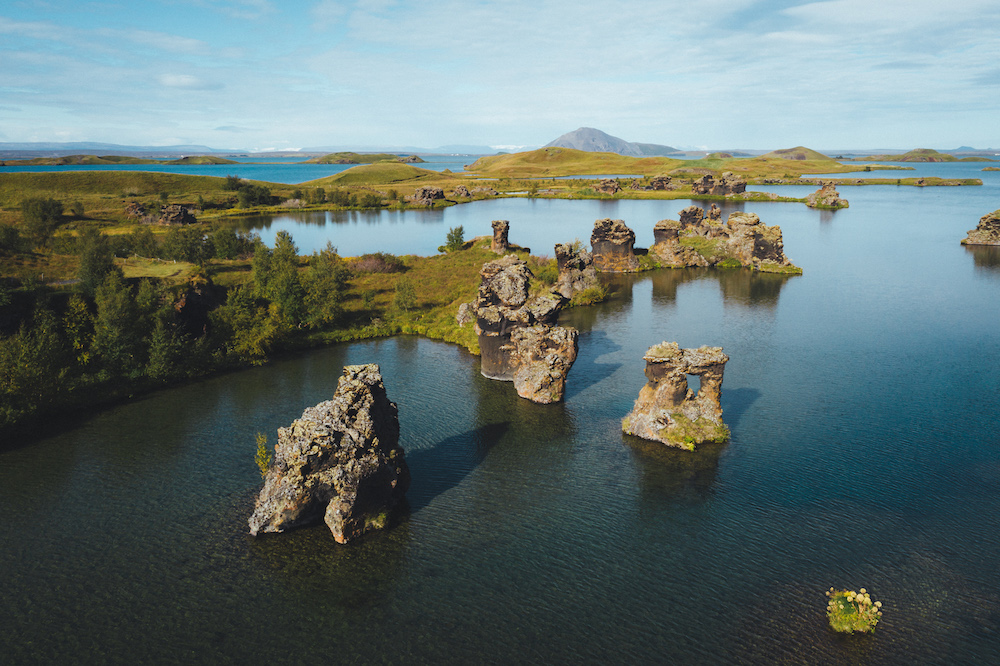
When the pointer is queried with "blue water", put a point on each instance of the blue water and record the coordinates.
(865, 452)
(287, 170)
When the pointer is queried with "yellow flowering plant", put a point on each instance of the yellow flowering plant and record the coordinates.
(850, 611)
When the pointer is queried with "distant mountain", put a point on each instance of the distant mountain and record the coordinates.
(595, 141)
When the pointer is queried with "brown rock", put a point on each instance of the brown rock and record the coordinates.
(667, 410)
(503, 308)
(176, 214)
(612, 244)
(340, 462)
(484, 191)
(715, 213)
(426, 196)
(135, 209)
(462, 191)
(826, 197)
(692, 216)
(608, 186)
(499, 244)
(576, 271)
(543, 356)
(660, 183)
(987, 232)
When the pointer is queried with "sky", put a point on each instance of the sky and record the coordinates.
(719, 74)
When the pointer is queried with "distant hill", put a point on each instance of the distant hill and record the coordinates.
(798, 153)
(362, 158)
(52, 149)
(595, 141)
(921, 155)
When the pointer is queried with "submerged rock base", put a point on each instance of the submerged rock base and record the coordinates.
(987, 232)
(667, 410)
(827, 197)
(340, 462)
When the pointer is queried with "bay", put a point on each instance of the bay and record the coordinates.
(865, 452)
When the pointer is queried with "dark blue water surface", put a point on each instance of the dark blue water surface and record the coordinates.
(862, 398)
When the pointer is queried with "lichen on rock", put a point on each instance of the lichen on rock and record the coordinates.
(340, 462)
(667, 410)
(576, 270)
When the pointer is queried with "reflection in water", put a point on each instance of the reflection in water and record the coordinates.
(667, 472)
(739, 286)
(986, 258)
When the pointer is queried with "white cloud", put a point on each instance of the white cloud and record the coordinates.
(186, 82)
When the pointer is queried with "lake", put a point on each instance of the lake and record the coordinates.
(865, 452)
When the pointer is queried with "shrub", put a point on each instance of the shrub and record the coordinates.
(379, 262)
(406, 296)
(232, 183)
(589, 296)
(454, 240)
(850, 611)
(263, 456)
(370, 200)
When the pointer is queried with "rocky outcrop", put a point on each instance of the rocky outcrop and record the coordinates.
(135, 209)
(461, 191)
(576, 271)
(499, 244)
(612, 244)
(340, 462)
(426, 196)
(667, 410)
(176, 214)
(608, 186)
(696, 241)
(503, 307)
(660, 183)
(826, 197)
(483, 191)
(987, 232)
(542, 357)
(715, 213)
(691, 216)
(728, 183)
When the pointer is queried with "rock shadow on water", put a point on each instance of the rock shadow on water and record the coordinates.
(309, 565)
(668, 472)
(736, 403)
(588, 371)
(436, 470)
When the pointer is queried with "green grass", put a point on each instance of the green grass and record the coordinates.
(384, 173)
(356, 158)
(686, 434)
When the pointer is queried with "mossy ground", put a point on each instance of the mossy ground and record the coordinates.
(687, 434)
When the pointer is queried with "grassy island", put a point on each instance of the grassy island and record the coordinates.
(362, 158)
(921, 155)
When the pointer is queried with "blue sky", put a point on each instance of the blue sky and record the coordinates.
(263, 74)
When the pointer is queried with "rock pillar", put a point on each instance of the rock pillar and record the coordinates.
(667, 410)
(612, 244)
(500, 245)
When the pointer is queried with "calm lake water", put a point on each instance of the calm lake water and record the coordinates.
(288, 170)
(865, 452)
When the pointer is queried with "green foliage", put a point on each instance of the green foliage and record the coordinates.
(253, 195)
(140, 242)
(454, 240)
(96, 260)
(10, 240)
(370, 200)
(589, 296)
(41, 217)
(318, 195)
(246, 328)
(186, 243)
(233, 183)
(324, 284)
(548, 272)
(850, 611)
(33, 368)
(263, 455)
(77, 208)
(730, 263)
(405, 297)
(118, 335)
(227, 243)
(296, 193)
(78, 329)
